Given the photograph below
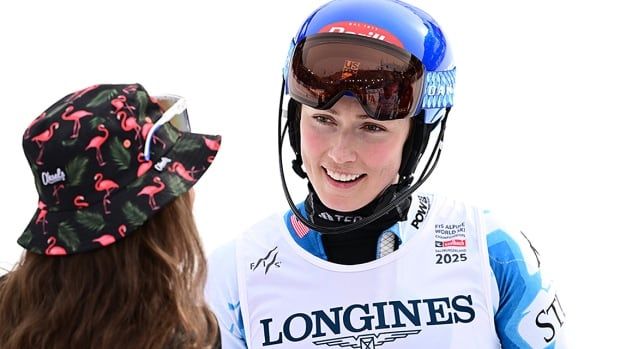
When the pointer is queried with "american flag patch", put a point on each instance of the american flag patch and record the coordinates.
(300, 229)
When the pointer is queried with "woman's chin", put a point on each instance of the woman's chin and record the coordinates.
(342, 204)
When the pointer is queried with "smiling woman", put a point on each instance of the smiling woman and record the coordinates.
(368, 84)
(349, 157)
(534, 131)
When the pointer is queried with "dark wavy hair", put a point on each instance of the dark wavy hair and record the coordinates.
(146, 291)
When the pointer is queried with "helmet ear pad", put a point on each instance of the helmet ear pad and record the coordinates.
(293, 117)
(414, 146)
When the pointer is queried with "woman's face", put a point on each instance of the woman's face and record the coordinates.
(349, 157)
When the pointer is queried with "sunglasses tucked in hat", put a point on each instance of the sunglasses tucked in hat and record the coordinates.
(96, 182)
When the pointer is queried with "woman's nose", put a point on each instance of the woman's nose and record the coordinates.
(342, 149)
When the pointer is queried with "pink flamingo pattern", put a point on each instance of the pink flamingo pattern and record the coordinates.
(129, 123)
(112, 190)
(152, 190)
(75, 116)
(145, 165)
(130, 89)
(122, 229)
(43, 138)
(52, 249)
(80, 93)
(27, 133)
(106, 185)
(79, 202)
(105, 239)
(119, 103)
(213, 144)
(42, 215)
(56, 191)
(97, 141)
(182, 171)
(108, 239)
(146, 127)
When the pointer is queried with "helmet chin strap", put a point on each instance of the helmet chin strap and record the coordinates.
(401, 194)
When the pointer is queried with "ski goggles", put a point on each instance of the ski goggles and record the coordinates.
(175, 113)
(386, 80)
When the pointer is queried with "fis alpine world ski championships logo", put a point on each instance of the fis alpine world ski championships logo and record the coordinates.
(267, 262)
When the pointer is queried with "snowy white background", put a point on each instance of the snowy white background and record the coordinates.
(533, 133)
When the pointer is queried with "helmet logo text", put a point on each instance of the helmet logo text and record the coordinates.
(362, 29)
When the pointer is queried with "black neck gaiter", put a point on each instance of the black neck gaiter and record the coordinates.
(360, 245)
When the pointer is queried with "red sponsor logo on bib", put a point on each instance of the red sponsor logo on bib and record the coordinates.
(455, 243)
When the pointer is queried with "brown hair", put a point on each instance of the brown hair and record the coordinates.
(145, 291)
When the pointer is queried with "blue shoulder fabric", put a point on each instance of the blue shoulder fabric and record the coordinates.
(515, 265)
(308, 239)
(223, 295)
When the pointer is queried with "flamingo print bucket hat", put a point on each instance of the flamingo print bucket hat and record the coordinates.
(104, 160)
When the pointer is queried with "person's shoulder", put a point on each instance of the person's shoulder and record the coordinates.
(524, 296)
(222, 265)
(503, 235)
(222, 291)
(491, 219)
(268, 223)
(268, 228)
(435, 199)
(225, 254)
(221, 284)
(441, 205)
(506, 242)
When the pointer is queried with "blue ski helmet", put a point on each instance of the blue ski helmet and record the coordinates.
(371, 50)
(396, 43)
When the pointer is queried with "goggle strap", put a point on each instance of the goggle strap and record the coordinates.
(177, 108)
(285, 69)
